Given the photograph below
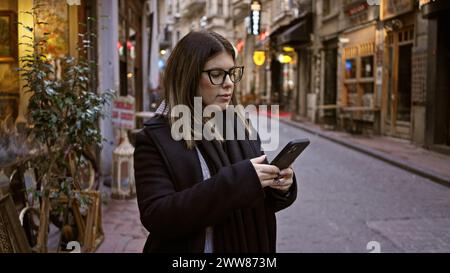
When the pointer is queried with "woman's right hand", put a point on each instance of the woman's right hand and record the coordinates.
(266, 173)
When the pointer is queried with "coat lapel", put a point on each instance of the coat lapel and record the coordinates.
(183, 164)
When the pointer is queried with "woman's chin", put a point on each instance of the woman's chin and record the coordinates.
(222, 105)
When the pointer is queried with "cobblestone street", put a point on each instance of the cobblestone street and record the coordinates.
(348, 199)
(122, 227)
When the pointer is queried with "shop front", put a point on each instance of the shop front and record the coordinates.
(438, 96)
(289, 77)
(260, 86)
(55, 29)
(358, 111)
(62, 25)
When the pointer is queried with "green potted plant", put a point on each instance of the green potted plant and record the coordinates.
(63, 114)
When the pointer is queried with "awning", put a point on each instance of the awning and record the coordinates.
(296, 33)
(434, 8)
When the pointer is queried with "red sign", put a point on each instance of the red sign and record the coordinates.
(357, 9)
(123, 113)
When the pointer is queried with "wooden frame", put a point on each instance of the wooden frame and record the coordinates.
(392, 126)
(8, 36)
(93, 233)
(12, 235)
(90, 230)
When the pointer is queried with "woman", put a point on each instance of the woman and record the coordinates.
(206, 196)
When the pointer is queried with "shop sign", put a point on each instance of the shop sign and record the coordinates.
(357, 9)
(390, 9)
(255, 18)
(123, 113)
(259, 57)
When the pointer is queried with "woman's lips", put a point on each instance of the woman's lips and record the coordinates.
(224, 97)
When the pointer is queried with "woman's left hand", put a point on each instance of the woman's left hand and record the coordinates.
(284, 182)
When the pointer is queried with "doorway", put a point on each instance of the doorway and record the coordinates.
(130, 50)
(442, 103)
(398, 118)
(330, 83)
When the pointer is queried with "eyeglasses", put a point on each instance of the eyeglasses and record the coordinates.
(217, 76)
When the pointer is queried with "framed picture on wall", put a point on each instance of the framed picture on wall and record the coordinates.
(8, 36)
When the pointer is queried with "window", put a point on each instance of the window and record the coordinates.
(367, 67)
(350, 68)
(326, 7)
(220, 7)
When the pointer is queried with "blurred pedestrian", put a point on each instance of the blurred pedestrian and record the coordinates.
(206, 196)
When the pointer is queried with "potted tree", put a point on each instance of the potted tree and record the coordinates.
(63, 113)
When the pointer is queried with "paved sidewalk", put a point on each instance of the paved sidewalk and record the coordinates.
(401, 153)
(123, 230)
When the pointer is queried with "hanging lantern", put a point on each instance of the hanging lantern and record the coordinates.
(123, 185)
(259, 57)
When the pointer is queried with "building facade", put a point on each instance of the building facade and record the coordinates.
(362, 66)
(436, 79)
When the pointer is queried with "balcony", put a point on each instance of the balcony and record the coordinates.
(192, 7)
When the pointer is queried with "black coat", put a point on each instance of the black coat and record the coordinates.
(176, 207)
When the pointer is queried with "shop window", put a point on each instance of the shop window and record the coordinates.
(350, 68)
(367, 67)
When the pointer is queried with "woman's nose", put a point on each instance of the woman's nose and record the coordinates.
(227, 82)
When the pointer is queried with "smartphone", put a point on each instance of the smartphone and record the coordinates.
(289, 153)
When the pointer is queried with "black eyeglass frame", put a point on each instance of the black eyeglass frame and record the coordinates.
(225, 75)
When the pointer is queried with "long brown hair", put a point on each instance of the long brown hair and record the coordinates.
(184, 69)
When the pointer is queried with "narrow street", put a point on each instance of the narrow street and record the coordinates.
(347, 199)
(367, 82)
